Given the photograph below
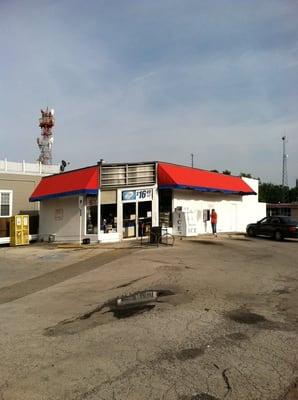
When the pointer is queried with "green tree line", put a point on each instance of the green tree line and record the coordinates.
(269, 192)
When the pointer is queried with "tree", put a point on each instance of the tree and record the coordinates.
(270, 193)
(213, 170)
(293, 195)
(245, 175)
(226, 172)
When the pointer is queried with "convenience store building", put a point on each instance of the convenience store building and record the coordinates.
(110, 202)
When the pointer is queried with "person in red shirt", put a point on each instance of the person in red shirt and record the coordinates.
(214, 221)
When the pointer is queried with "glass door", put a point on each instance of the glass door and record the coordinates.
(144, 218)
(129, 220)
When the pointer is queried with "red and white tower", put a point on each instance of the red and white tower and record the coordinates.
(45, 142)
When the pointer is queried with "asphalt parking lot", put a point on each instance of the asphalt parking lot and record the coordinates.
(227, 331)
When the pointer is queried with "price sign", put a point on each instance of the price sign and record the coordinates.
(137, 195)
(144, 194)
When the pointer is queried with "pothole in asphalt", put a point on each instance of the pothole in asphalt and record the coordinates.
(245, 317)
(130, 312)
(118, 308)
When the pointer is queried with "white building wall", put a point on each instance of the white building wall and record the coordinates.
(234, 212)
(61, 217)
(253, 210)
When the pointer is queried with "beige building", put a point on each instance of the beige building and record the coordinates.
(287, 209)
(17, 181)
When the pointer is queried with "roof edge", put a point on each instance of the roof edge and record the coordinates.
(207, 190)
(63, 194)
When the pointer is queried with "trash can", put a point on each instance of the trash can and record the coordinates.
(155, 234)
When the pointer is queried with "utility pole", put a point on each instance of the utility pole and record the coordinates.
(191, 159)
(284, 169)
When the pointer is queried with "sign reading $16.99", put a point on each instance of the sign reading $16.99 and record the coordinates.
(137, 195)
(144, 194)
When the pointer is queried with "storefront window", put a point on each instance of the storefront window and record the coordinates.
(108, 218)
(165, 207)
(145, 217)
(108, 211)
(91, 215)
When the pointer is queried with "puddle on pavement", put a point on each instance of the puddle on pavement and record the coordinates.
(119, 308)
(131, 311)
(249, 318)
(192, 353)
(245, 317)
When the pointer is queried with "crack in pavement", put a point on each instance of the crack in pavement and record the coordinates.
(131, 282)
(227, 382)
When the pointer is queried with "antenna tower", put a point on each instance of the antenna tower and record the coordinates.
(45, 142)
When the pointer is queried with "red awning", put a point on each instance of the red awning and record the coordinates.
(80, 181)
(172, 176)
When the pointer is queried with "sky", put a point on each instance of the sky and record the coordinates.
(141, 80)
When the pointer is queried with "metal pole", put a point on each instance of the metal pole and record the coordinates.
(81, 200)
(80, 226)
(284, 171)
(284, 163)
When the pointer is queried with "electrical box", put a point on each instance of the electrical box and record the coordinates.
(19, 230)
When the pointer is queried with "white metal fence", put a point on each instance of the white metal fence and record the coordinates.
(27, 168)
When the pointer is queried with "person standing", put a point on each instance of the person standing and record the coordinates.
(214, 221)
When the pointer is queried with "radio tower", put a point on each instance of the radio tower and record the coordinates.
(45, 142)
(284, 170)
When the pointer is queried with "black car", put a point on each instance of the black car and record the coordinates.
(277, 227)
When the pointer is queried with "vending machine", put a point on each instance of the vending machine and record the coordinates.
(185, 222)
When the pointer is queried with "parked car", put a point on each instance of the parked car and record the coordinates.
(277, 227)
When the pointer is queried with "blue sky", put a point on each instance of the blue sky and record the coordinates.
(134, 80)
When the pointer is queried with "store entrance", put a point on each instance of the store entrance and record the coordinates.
(144, 218)
(137, 219)
(129, 220)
